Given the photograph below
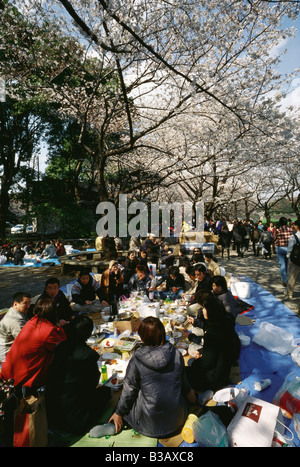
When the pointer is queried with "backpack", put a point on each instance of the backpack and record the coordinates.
(295, 253)
(256, 234)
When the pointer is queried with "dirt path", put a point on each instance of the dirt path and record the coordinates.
(30, 279)
(264, 272)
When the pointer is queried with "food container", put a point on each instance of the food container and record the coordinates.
(124, 316)
(126, 344)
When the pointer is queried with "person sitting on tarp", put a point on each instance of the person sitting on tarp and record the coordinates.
(155, 394)
(131, 263)
(18, 256)
(234, 306)
(13, 321)
(7, 251)
(219, 349)
(203, 283)
(213, 268)
(52, 290)
(30, 355)
(87, 294)
(74, 402)
(49, 250)
(175, 284)
(140, 281)
(197, 256)
(29, 249)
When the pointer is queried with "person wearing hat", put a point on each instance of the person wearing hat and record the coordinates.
(293, 269)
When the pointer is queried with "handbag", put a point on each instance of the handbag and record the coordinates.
(30, 423)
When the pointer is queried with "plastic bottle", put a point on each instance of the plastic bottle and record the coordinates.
(236, 402)
(103, 372)
(187, 431)
(261, 385)
(107, 429)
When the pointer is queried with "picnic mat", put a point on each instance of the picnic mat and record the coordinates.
(31, 264)
(257, 362)
(126, 438)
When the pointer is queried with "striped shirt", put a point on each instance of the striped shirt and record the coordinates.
(282, 235)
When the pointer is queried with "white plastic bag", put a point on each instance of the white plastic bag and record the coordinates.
(3, 259)
(209, 431)
(296, 352)
(274, 338)
(241, 289)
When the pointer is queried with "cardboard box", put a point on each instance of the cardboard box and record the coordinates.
(132, 325)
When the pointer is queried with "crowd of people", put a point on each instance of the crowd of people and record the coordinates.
(45, 249)
(43, 345)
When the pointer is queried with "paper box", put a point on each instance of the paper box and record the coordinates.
(131, 325)
(254, 424)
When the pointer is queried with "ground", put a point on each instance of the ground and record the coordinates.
(30, 279)
(263, 271)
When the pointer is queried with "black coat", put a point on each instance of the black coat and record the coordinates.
(73, 401)
(221, 347)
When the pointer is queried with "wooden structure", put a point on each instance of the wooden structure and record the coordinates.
(91, 260)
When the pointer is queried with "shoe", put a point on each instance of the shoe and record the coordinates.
(287, 297)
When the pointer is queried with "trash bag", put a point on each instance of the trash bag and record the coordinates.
(274, 338)
(209, 431)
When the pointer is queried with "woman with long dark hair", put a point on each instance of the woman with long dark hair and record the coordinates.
(221, 346)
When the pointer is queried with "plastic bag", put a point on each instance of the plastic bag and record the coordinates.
(209, 431)
(288, 396)
(296, 352)
(296, 420)
(274, 338)
(296, 355)
(3, 259)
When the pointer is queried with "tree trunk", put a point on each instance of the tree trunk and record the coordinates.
(101, 185)
(4, 205)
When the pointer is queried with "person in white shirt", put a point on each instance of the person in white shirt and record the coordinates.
(13, 321)
(293, 269)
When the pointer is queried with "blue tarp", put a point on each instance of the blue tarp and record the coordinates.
(256, 362)
(42, 263)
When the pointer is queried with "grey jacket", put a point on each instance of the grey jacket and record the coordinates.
(10, 326)
(153, 398)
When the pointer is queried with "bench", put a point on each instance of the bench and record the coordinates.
(95, 266)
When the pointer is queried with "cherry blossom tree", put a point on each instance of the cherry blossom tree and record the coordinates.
(182, 87)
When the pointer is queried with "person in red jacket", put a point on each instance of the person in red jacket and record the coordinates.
(31, 353)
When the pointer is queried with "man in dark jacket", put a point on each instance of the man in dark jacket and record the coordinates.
(175, 284)
(52, 290)
(18, 256)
